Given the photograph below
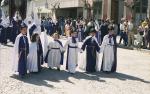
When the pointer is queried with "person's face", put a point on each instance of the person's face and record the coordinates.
(24, 31)
(111, 32)
(92, 33)
(73, 34)
(56, 36)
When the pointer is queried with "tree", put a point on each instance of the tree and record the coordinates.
(131, 7)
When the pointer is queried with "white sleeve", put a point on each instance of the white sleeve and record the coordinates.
(104, 43)
(49, 46)
(66, 45)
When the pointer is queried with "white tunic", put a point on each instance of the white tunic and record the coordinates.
(108, 53)
(72, 55)
(28, 33)
(32, 63)
(54, 56)
(44, 41)
(15, 53)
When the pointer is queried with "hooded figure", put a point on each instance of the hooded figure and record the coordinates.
(16, 25)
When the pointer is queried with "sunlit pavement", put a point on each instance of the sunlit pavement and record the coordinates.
(132, 77)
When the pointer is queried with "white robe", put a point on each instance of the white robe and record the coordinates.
(54, 56)
(44, 41)
(28, 33)
(108, 53)
(72, 55)
(16, 54)
(32, 63)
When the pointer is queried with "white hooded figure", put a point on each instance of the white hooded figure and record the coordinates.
(29, 22)
(98, 33)
(32, 15)
(5, 20)
(17, 16)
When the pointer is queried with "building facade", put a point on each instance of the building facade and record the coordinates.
(139, 10)
(72, 8)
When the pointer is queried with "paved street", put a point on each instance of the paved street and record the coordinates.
(132, 77)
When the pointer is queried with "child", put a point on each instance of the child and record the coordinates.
(109, 52)
(55, 52)
(21, 50)
(72, 53)
(35, 54)
(92, 47)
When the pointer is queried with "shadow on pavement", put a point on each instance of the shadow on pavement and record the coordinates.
(47, 75)
(121, 76)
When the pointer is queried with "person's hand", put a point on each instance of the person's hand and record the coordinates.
(81, 51)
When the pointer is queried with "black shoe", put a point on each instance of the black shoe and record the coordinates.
(50, 68)
(22, 76)
(58, 69)
(71, 73)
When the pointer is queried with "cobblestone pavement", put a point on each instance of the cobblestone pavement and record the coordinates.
(132, 77)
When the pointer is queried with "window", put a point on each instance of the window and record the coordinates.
(141, 6)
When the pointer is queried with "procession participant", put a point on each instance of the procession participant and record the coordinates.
(1, 32)
(44, 40)
(98, 33)
(72, 52)
(21, 50)
(104, 29)
(80, 31)
(108, 49)
(55, 48)
(16, 25)
(35, 54)
(92, 47)
(29, 22)
(4, 31)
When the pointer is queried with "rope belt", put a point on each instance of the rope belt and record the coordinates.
(72, 46)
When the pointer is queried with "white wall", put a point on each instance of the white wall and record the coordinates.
(63, 3)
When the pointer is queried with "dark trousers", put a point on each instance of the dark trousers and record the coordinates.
(123, 35)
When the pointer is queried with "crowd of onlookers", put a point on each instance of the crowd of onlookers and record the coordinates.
(82, 26)
(144, 32)
(131, 34)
